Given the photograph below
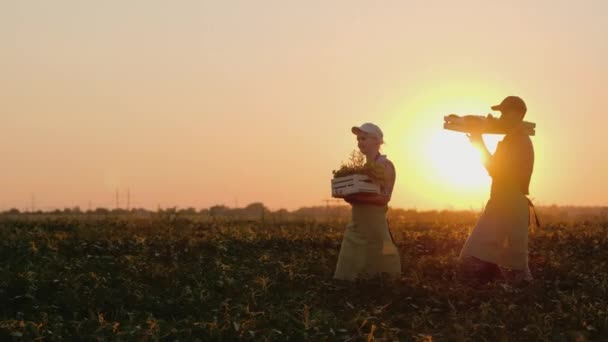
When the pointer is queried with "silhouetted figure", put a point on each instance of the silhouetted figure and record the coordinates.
(367, 247)
(498, 245)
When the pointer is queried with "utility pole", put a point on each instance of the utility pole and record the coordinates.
(33, 203)
(117, 203)
(335, 201)
(128, 199)
(327, 201)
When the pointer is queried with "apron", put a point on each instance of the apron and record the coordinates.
(501, 234)
(367, 247)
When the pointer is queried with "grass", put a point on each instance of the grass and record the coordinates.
(81, 277)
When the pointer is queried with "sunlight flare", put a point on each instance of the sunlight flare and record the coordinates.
(455, 162)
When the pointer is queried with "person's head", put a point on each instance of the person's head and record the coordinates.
(369, 138)
(512, 110)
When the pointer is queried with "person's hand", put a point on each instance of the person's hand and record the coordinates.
(352, 198)
(475, 138)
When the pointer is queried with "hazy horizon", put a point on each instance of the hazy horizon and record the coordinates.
(333, 204)
(199, 103)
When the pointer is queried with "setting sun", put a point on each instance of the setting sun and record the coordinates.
(434, 164)
(455, 162)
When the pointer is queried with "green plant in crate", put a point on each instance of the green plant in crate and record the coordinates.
(357, 165)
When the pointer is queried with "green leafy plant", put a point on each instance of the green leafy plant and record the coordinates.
(358, 165)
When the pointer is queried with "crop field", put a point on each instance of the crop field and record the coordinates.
(170, 277)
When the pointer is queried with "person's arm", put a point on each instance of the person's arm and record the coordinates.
(367, 198)
(486, 157)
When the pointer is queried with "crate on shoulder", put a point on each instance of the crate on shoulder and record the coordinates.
(482, 124)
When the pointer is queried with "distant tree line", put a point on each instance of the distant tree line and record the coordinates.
(258, 212)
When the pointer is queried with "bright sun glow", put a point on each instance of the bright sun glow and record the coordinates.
(451, 163)
(456, 162)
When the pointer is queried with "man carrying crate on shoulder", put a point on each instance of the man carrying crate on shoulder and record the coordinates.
(498, 245)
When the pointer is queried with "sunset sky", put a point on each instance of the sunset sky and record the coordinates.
(196, 103)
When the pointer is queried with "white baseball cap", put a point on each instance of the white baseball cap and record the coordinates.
(370, 129)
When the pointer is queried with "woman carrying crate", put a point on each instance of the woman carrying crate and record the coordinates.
(368, 248)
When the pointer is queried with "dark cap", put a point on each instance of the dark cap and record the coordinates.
(511, 103)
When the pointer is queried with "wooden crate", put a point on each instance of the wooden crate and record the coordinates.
(342, 186)
(487, 125)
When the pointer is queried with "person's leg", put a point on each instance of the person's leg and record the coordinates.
(381, 253)
(478, 271)
(514, 276)
(351, 259)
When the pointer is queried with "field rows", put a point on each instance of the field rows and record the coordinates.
(178, 278)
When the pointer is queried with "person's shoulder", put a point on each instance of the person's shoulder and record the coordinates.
(518, 137)
(524, 138)
(387, 162)
(383, 159)
(521, 142)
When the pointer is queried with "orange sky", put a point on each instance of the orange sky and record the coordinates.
(199, 103)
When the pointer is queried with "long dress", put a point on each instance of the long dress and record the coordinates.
(367, 247)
